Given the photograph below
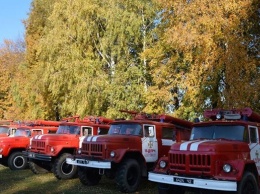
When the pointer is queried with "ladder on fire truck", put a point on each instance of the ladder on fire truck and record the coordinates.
(88, 119)
(159, 118)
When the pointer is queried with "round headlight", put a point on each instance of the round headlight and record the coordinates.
(79, 151)
(162, 164)
(227, 167)
(112, 154)
(52, 149)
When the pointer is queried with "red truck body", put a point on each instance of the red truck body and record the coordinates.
(222, 155)
(49, 152)
(11, 147)
(129, 150)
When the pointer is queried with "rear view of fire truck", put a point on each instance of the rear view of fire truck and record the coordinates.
(222, 155)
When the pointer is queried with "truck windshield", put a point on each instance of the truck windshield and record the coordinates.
(231, 132)
(125, 129)
(68, 129)
(3, 130)
(22, 132)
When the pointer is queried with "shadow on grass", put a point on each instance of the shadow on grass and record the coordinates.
(25, 182)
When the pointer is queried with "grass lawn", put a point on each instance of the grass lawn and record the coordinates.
(24, 181)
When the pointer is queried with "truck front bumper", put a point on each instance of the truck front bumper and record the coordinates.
(37, 156)
(193, 182)
(88, 163)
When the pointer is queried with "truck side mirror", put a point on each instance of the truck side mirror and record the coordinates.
(151, 131)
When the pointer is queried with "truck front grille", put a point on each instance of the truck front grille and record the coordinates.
(190, 163)
(37, 145)
(92, 149)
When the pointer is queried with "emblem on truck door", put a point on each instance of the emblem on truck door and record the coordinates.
(150, 144)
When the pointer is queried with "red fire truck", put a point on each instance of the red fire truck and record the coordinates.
(8, 128)
(129, 150)
(221, 156)
(48, 153)
(11, 147)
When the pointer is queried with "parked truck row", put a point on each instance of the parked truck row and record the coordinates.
(220, 154)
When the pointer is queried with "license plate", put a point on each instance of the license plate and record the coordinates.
(1, 156)
(82, 161)
(183, 180)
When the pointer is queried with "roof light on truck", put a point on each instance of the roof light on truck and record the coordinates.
(245, 114)
(232, 116)
(218, 116)
(196, 120)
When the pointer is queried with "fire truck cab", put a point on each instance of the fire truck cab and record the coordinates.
(7, 130)
(8, 127)
(129, 150)
(221, 156)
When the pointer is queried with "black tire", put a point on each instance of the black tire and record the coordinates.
(128, 176)
(89, 176)
(169, 189)
(62, 170)
(37, 169)
(248, 184)
(17, 161)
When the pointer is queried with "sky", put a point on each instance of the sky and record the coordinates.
(12, 12)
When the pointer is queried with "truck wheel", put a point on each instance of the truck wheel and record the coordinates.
(169, 189)
(128, 176)
(248, 184)
(88, 176)
(37, 169)
(62, 170)
(17, 161)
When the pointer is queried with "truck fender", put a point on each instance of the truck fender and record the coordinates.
(252, 168)
(123, 153)
(239, 167)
